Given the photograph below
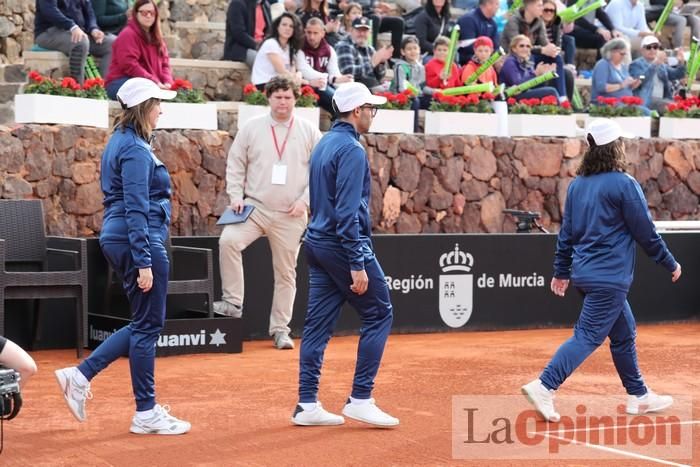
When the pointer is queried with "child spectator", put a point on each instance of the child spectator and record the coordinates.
(483, 49)
(435, 77)
(409, 69)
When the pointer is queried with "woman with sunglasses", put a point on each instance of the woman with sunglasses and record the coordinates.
(518, 68)
(139, 51)
(558, 33)
(656, 89)
(611, 76)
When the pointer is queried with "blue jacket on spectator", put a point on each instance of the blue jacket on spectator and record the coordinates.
(515, 71)
(339, 190)
(605, 73)
(64, 14)
(665, 74)
(473, 25)
(596, 243)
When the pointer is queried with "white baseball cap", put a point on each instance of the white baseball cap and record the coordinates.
(648, 40)
(604, 131)
(350, 96)
(138, 90)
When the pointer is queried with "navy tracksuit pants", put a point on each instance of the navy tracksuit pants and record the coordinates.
(138, 339)
(605, 313)
(329, 289)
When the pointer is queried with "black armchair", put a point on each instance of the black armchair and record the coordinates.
(26, 269)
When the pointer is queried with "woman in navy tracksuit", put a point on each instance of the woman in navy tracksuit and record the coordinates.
(136, 188)
(605, 215)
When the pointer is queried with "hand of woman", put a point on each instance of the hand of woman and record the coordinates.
(145, 279)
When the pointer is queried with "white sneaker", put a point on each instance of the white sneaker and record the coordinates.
(162, 423)
(316, 417)
(649, 402)
(283, 341)
(224, 308)
(75, 394)
(542, 399)
(368, 412)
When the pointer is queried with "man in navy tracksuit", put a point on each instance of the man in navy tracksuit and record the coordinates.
(342, 265)
(604, 216)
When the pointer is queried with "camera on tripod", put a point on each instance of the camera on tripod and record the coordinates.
(10, 396)
(526, 220)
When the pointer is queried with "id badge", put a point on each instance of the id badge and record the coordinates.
(279, 174)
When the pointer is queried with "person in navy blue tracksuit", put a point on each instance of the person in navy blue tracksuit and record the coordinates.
(136, 187)
(342, 265)
(605, 216)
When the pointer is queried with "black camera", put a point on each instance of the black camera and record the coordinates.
(526, 220)
(10, 396)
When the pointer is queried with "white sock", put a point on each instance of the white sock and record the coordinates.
(145, 414)
(80, 378)
(359, 401)
(563, 99)
(307, 405)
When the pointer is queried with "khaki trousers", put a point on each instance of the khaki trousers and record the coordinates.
(284, 235)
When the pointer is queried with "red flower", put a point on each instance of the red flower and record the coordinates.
(181, 84)
(601, 99)
(611, 101)
(70, 83)
(566, 105)
(93, 82)
(511, 101)
(249, 88)
(488, 96)
(407, 92)
(401, 98)
(533, 102)
(671, 107)
(36, 76)
(549, 100)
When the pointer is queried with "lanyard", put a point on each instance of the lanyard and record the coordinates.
(280, 151)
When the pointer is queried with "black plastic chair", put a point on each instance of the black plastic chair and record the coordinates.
(202, 285)
(27, 269)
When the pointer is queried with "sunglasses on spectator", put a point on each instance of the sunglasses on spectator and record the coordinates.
(549, 10)
(652, 47)
(147, 12)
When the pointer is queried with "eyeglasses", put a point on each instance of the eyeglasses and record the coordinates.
(549, 10)
(147, 13)
(373, 109)
(652, 47)
(524, 46)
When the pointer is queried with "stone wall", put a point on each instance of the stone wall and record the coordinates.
(16, 28)
(419, 184)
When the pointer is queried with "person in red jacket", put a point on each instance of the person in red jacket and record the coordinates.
(139, 51)
(434, 69)
(483, 49)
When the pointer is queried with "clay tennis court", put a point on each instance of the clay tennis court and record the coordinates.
(240, 405)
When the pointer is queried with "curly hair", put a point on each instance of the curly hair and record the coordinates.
(605, 158)
(281, 83)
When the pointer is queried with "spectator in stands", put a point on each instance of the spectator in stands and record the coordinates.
(477, 23)
(656, 88)
(435, 77)
(409, 74)
(319, 9)
(518, 68)
(280, 193)
(678, 22)
(281, 54)
(628, 17)
(352, 11)
(321, 57)
(110, 14)
(483, 49)
(557, 31)
(14, 357)
(359, 59)
(611, 77)
(593, 30)
(247, 22)
(140, 51)
(72, 28)
(435, 20)
(380, 15)
(528, 21)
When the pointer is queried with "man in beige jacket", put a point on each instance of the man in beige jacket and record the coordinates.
(268, 167)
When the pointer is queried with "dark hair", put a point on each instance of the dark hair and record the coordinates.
(137, 118)
(441, 40)
(281, 83)
(409, 40)
(346, 17)
(430, 9)
(484, 2)
(153, 35)
(605, 158)
(296, 42)
(323, 9)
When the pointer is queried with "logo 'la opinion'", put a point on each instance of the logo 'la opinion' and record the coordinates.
(456, 287)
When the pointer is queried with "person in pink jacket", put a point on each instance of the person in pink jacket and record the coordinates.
(139, 51)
